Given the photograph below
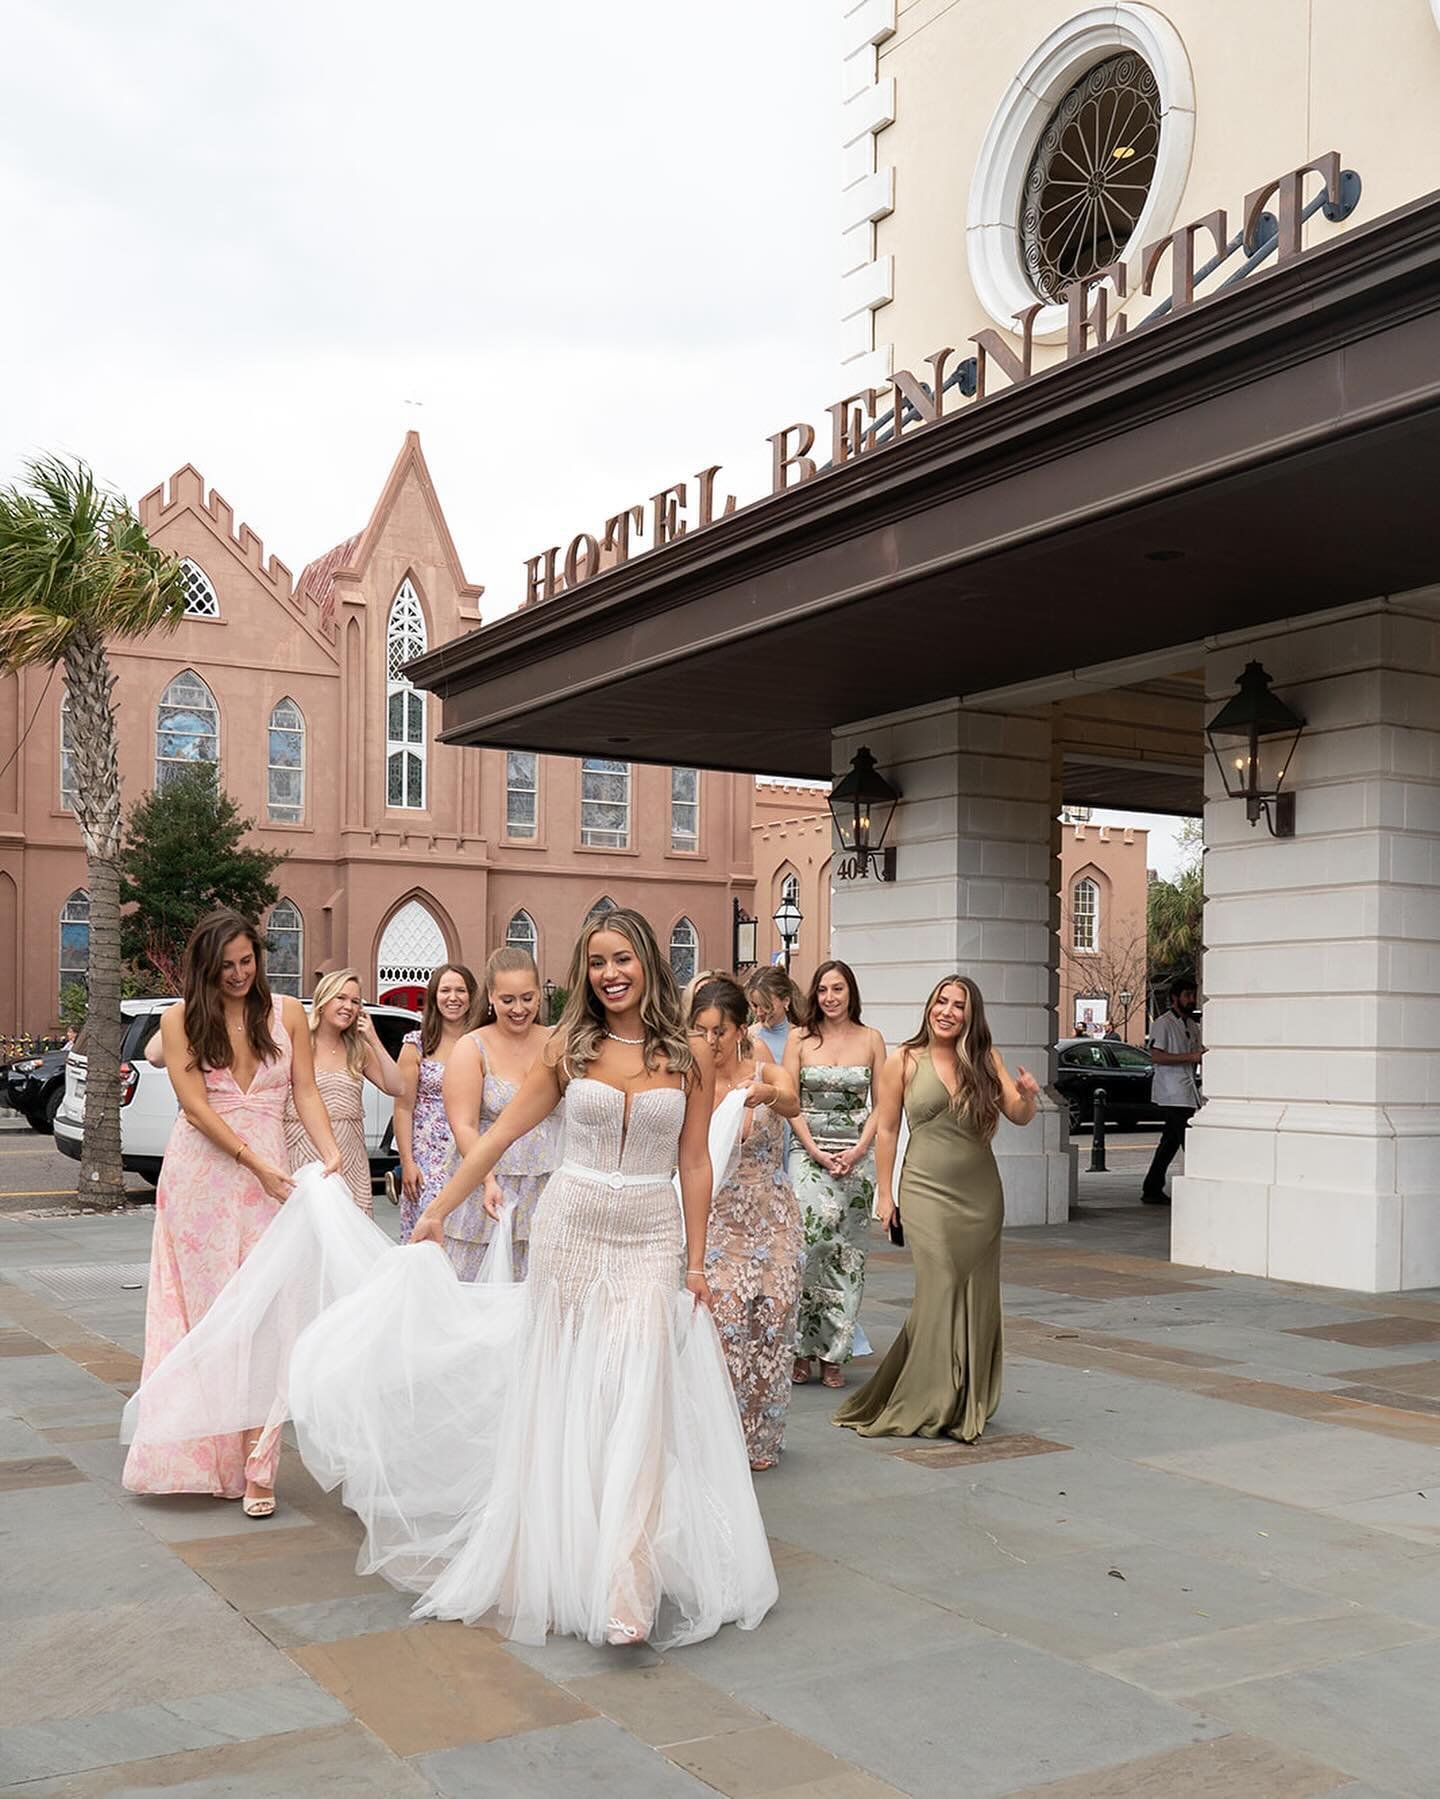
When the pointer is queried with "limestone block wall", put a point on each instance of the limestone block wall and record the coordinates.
(1317, 1155)
(976, 893)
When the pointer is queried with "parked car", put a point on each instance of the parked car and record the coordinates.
(1084, 1063)
(36, 1086)
(148, 1106)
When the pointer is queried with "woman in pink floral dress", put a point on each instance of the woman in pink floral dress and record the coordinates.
(234, 1055)
(422, 1132)
(755, 1245)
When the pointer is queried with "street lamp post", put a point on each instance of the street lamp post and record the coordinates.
(788, 920)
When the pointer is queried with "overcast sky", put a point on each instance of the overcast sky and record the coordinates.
(584, 249)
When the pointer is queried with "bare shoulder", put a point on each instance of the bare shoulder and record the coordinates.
(553, 1053)
(879, 1049)
(292, 1015)
(172, 1026)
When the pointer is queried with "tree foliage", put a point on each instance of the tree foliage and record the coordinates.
(184, 854)
(1175, 915)
(76, 572)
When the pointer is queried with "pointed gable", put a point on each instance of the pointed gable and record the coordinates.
(410, 473)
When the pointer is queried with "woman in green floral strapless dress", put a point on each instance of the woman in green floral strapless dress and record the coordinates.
(941, 1377)
(833, 1061)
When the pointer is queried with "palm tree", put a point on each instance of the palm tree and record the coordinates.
(76, 568)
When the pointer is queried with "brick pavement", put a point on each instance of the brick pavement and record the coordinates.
(1195, 1556)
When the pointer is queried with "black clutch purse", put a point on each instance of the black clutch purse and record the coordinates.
(896, 1229)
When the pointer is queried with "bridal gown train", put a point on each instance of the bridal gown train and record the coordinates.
(559, 1455)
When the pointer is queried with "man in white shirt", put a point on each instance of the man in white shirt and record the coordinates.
(1176, 1053)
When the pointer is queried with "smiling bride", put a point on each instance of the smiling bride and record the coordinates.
(563, 1454)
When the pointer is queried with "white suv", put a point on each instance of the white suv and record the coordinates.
(148, 1107)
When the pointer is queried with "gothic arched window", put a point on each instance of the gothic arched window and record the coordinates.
(405, 747)
(684, 950)
(187, 727)
(285, 770)
(285, 947)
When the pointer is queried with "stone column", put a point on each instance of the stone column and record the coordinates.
(1317, 1155)
(976, 893)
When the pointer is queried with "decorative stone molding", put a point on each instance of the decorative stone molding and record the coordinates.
(997, 266)
(867, 188)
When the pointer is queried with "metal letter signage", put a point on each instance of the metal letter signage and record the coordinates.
(1095, 319)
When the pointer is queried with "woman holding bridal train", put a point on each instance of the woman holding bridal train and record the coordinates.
(563, 1454)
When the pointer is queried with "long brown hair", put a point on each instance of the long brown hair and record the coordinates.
(209, 1040)
(582, 1024)
(432, 1025)
(814, 1017)
(508, 959)
(727, 996)
(977, 1087)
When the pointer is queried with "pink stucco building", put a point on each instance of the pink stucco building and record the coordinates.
(403, 851)
(1104, 884)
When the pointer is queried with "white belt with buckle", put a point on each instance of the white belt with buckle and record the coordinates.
(617, 1181)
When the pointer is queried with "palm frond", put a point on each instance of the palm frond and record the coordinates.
(74, 555)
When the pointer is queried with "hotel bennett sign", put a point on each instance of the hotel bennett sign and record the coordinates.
(678, 510)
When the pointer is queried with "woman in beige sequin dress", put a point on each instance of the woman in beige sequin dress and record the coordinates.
(347, 1053)
(755, 1249)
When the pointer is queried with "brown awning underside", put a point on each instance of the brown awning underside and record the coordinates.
(1283, 437)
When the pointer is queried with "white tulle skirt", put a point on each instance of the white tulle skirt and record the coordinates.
(545, 1456)
(538, 1468)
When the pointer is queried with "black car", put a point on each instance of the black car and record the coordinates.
(1084, 1063)
(35, 1086)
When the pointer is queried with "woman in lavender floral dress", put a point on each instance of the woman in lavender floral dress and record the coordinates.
(754, 1248)
(422, 1133)
(484, 1075)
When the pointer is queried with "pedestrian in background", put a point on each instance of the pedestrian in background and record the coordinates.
(1175, 1053)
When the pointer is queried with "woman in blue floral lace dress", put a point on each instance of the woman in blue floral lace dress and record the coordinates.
(754, 1249)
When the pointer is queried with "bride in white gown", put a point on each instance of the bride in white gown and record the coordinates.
(558, 1455)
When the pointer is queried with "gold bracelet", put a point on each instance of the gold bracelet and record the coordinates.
(241, 1151)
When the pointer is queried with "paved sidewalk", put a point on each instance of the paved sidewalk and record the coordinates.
(1196, 1555)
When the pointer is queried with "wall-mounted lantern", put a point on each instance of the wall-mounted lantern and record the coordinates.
(1253, 736)
(862, 803)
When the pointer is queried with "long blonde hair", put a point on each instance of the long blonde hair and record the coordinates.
(328, 987)
(582, 1025)
(977, 1087)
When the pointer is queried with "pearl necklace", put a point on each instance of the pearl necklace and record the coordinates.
(632, 1041)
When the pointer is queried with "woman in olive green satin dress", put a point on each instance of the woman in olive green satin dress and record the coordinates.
(941, 1377)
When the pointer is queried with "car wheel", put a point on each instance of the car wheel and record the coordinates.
(52, 1106)
(1077, 1116)
(148, 1171)
(37, 1121)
